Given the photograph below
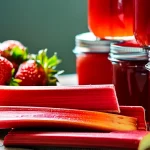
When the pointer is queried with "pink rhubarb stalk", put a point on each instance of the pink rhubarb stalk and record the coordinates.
(23, 117)
(139, 140)
(137, 112)
(87, 97)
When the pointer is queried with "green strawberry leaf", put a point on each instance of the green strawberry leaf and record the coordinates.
(52, 72)
(49, 64)
(52, 81)
(53, 61)
(12, 72)
(42, 57)
(60, 72)
(18, 53)
(32, 56)
(15, 82)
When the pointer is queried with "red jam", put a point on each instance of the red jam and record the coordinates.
(142, 22)
(110, 17)
(130, 76)
(94, 68)
(92, 64)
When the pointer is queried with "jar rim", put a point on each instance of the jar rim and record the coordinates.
(135, 57)
(80, 50)
(116, 48)
(87, 42)
(127, 52)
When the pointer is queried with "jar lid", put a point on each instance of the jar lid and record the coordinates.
(128, 50)
(88, 43)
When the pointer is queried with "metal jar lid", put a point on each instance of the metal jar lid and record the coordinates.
(118, 52)
(88, 43)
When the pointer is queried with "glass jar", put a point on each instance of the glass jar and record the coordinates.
(148, 68)
(110, 17)
(130, 76)
(92, 64)
(142, 22)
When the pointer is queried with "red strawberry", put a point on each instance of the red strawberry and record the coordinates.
(10, 44)
(7, 46)
(31, 74)
(38, 71)
(14, 51)
(5, 71)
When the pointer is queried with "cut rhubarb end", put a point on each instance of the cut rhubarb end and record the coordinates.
(139, 140)
(22, 117)
(137, 112)
(86, 97)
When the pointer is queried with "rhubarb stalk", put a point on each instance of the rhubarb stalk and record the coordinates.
(137, 112)
(139, 140)
(19, 117)
(87, 97)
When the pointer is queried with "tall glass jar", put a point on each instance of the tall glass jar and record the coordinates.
(130, 77)
(110, 17)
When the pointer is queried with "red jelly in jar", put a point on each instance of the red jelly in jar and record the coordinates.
(130, 76)
(142, 22)
(110, 17)
(92, 64)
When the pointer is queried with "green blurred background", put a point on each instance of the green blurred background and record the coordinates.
(40, 24)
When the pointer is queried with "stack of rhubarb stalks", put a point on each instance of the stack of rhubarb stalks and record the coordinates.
(74, 116)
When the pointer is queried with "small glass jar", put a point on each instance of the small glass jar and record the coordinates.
(92, 64)
(130, 77)
(110, 17)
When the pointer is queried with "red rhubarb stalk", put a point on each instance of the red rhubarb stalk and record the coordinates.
(139, 140)
(137, 112)
(19, 117)
(87, 97)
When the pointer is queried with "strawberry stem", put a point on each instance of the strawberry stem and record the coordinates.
(49, 64)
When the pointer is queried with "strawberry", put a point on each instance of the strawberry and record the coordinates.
(39, 71)
(31, 73)
(14, 51)
(5, 71)
(10, 48)
(10, 44)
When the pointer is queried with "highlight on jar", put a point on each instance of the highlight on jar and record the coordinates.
(110, 18)
(130, 77)
(92, 64)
